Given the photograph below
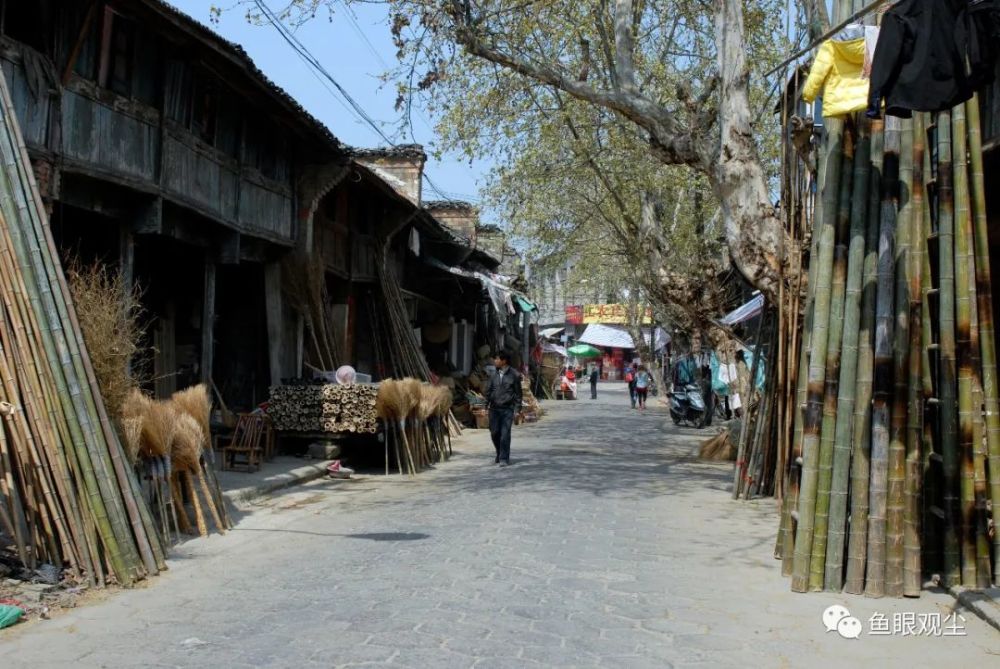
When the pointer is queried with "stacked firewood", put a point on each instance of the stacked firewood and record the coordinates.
(324, 408)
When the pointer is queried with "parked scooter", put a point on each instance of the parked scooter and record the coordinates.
(688, 406)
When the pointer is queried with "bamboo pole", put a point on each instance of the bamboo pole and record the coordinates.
(963, 342)
(833, 364)
(834, 576)
(817, 360)
(915, 414)
(882, 387)
(896, 475)
(984, 295)
(981, 521)
(948, 406)
(857, 549)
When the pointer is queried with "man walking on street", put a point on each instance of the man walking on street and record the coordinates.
(503, 396)
(593, 383)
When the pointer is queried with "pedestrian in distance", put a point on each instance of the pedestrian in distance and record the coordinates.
(630, 380)
(593, 383)
(503, 397)
(707, 394)
(642, 382)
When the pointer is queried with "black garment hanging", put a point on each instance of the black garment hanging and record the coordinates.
(982, 30)
(920, 59)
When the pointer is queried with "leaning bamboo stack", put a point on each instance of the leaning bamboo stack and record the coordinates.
(67, 494)
(895, 458)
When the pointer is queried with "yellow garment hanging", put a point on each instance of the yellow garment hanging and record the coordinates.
(839, 64)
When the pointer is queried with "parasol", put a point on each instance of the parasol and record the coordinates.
(583, 351)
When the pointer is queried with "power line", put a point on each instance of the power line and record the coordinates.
(310, 60)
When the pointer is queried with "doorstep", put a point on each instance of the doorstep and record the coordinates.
(282, 472)
(983, 603)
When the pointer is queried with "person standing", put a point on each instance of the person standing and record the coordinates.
(594, 374)
(630, 380)
(642, 383)
(707, 394)
(503, 397)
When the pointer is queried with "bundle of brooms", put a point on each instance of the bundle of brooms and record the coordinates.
(67, 494)
(170, 440)
(415, 416)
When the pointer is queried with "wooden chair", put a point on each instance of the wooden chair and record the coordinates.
(248, 442)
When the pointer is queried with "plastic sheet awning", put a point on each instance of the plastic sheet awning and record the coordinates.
(744, 312)
(616, 337)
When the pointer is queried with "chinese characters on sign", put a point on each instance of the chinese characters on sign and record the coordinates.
(608, 314)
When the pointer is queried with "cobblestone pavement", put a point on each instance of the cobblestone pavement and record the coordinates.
(606, 544)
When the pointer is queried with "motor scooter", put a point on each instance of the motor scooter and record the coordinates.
(688, 406)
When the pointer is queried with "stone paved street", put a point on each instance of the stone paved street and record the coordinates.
(606, 544)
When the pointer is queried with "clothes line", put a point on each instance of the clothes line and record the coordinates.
(858, 15)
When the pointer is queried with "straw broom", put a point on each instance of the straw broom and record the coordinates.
(197, 403)
(385, 411)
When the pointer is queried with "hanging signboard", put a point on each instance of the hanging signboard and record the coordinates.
(574, 314)
(611, 314)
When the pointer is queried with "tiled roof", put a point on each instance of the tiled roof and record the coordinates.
(236, 52)
(448, 205)
(399, 151)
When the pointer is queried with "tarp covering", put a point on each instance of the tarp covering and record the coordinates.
(744, 312)
(616, 337)
(551, 332)
(501, 296)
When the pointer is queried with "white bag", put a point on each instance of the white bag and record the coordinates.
(734, 401)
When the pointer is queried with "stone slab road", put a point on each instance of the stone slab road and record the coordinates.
(605, 544)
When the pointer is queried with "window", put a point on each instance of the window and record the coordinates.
(117, 53)
(204, 110)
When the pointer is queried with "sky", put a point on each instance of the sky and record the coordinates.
(355, 48)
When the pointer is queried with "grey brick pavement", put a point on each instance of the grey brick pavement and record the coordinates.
(604, 545)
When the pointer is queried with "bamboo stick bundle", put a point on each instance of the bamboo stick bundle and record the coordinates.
(882, 387)
(857, 548)
(896, 474)
(912, 569)
(948, 406)
(963, 341)
(834, 572)
(987, 340)
(832, 375)
(817, 359)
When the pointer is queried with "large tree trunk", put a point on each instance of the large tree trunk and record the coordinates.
(754, 232)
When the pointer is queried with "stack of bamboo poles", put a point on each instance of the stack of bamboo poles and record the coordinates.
(67, 494)
(324, 408)
(895, 470)
(416, 423)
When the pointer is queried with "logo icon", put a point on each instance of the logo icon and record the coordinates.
(838, 619)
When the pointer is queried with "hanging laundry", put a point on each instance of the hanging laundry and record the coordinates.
(871, 40)
(923, 60)
(839, 65)
(982, 30)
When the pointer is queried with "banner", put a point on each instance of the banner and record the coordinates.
(610, 314)
(574, 314)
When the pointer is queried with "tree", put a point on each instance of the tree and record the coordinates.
(675, 69)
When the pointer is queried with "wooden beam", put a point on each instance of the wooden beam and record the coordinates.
(275, 321)
(208, 322)
(81, 39)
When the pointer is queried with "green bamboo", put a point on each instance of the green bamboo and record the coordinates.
(984, 295)
(834, 572)
(948, 406)
(914, 431)
(895, 497)
(857, 547)
(790, 500)
(963, 342)
(817, 359)
(833, 349)
(930, 534)
(983, 574)
(882, 387)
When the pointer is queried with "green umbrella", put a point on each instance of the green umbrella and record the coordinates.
(584, 351)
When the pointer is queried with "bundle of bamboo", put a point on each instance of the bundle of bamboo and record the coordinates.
(324, 408)
(902, 289)
(67, 494)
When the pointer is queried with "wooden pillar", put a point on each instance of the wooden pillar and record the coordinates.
(126, 254)
(275, 321)
(208, 322)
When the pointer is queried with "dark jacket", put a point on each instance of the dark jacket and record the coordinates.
(920, 59)
(504, 392)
